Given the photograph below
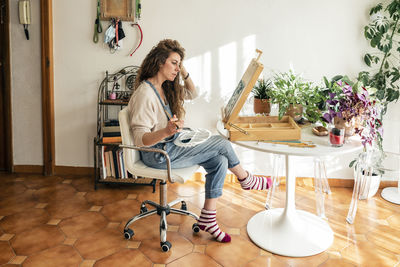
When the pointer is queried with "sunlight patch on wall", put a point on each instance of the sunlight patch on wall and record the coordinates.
(248, 51)
(200, 72)
(227, 62)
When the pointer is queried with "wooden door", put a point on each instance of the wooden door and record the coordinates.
(5, 95)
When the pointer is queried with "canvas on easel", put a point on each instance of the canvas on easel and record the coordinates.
(243, 89)
(255, 127)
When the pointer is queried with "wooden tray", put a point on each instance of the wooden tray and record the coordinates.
(264, 128)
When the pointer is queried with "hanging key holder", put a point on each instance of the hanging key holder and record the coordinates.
(138, 12)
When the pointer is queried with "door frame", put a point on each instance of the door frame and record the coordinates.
(46, 21)
(7, 91)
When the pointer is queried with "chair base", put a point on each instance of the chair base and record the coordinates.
(163, 209)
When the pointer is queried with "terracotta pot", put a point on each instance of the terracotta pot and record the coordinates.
(348, 126)
(295, 111)
(262, 106)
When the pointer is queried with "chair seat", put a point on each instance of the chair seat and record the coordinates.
(177, 175)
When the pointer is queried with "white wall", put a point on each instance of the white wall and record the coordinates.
(26, 88)
(316, 38)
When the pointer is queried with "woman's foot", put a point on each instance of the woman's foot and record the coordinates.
(256, 182)
(208, 222)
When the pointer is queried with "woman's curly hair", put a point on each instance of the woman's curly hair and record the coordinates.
(173, 90)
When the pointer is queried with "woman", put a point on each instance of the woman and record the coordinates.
(156, 118)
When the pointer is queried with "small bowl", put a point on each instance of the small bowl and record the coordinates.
(320, 131)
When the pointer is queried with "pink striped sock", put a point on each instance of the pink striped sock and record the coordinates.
(256, 182)
(208, 222)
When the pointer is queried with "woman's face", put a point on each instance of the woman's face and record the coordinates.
(171, 67)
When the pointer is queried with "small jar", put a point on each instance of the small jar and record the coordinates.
(112, 95)
(336, 136)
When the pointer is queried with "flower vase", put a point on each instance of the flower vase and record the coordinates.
(262, 106)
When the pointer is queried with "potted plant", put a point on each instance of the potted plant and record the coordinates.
(288, 93)
(333, 88)
(346, 103)
(262, 94)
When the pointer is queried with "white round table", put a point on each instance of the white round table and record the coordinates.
(287, 231)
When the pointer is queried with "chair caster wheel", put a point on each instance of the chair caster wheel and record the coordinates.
(128, 233)
(165, 246)
(183, 206)
(143, 209)
(195, 228)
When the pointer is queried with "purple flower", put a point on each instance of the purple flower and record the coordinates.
(327, 117)
(349, 105)
(332, 102)
(347, 90)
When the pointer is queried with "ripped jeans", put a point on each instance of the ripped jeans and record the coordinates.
(215, 155)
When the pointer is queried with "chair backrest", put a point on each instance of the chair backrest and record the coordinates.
(130, 155)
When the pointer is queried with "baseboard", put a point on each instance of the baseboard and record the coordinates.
(35, 169)
(69, 170)
(198, 176)
(59, 170)
(302, 181)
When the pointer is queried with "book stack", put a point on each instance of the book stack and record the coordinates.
(111, 132)
(113, 163)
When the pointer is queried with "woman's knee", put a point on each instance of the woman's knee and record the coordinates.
(215, 164)
(221, 143)
(222, 162)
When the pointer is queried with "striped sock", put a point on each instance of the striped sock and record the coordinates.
(256, 182)
(208, 222)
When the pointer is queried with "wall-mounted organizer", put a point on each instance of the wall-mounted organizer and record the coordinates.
(114, 93)
(117, 11)
(122, 9)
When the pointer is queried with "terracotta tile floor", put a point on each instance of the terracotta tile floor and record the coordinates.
(62, 221)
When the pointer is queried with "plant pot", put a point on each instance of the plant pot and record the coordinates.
(295, 111)
(371, 185)
(262, 106)
(348, 126)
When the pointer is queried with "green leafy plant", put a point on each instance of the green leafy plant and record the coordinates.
(263, 89)
(383, 34)
(314, 99)
(287, 91)
(291, 89)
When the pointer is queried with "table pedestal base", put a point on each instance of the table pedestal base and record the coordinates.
(299, 235)
(391, 194)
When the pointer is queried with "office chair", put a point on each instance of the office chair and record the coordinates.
(137, 168)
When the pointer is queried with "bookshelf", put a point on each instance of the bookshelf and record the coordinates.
(114, 93)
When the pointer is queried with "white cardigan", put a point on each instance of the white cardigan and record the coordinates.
(146, 114)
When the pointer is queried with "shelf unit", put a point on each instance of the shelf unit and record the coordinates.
(121, 84)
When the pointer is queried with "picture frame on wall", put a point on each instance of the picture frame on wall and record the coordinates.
(122, 9)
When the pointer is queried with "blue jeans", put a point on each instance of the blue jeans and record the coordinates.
(215, 155)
